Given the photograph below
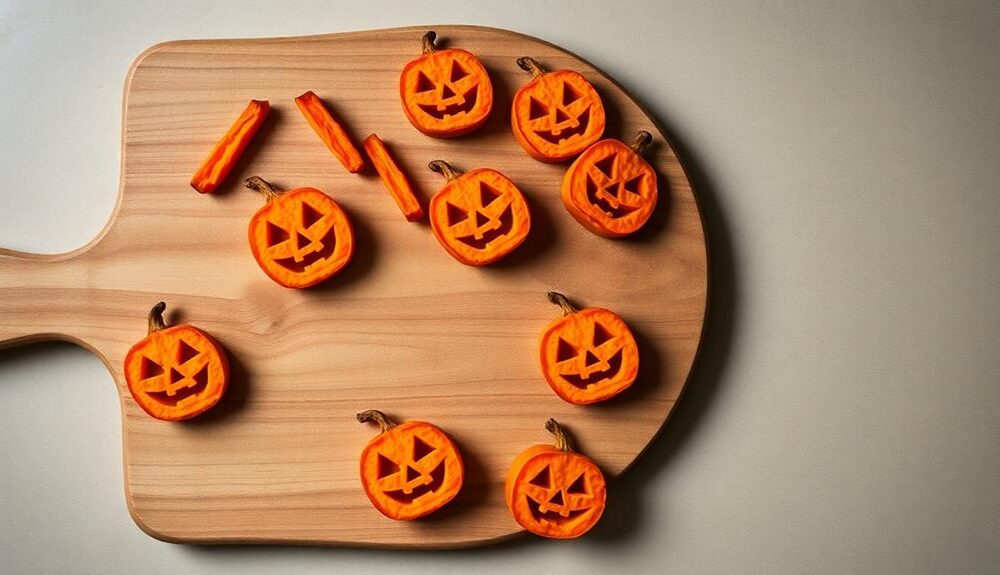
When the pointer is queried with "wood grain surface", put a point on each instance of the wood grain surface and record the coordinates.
(405, 328)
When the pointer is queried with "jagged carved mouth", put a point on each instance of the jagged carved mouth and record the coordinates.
(564, 134)
(599, 201)
(329, 243)
(463, 107)
(437, 480)
(595, 377)
(506, 220)
(200, 380)
(551, 516)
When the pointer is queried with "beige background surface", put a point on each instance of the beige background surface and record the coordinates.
(846, 413)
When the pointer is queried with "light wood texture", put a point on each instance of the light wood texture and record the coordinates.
(404, 328)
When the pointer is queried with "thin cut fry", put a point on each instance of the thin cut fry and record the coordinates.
(393, 178)
(330, 131)
(227, 151)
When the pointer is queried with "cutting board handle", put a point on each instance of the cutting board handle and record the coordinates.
(40, 298)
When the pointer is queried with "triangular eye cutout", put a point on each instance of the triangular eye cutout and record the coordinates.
(570, 94)
(420, 449)
(149, 368)
(578, 487)
(186, 353)
(457, 71)
(424, 83)
(633, 185)
(561, 116)
(456, 215)
(536, 109)
(601, 334)
(385, 467)
(565, 350)
(275, 235)
(310, 215)
(487, 194)
(606, 166)
(543, 479)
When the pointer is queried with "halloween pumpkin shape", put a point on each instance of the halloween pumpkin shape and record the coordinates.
(300, 237)
(409, 469)
(556, 115)
(445, 93)
(587, 355)
(175, 372)
(610, 189)
(553, 491)
(478, 217)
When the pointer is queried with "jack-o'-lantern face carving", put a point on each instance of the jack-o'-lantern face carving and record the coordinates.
(411, 469)
(610, 189)
(177, 372)
(589, 354)
(557, 114)
(478, 217)
(301, 237)
(445, 93)
(555, 492)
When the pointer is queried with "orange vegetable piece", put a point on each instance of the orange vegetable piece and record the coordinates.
(176, 372)
(227, 151)
(410, 469)
(557, 114)
(445, 93)
(587, 355)
(478, 217)
(393, 178)
(300, 237)
(330, 131)
(610, 189)
(554, 492)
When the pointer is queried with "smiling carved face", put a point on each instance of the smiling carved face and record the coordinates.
(588, 355)
(557, 115)
(555, 493)
(301, 237)
(480, 217)
(446, 93)
(610, 189)
(176, 373)
(411, 470)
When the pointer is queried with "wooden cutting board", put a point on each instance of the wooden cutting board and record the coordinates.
(405, 328)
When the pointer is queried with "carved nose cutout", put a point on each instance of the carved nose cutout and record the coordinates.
(301, 241)
(411, 473)
(561, 116)
(175, 375)
(481, 220)
(447, 92)
(556, 499)
(592, 359)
